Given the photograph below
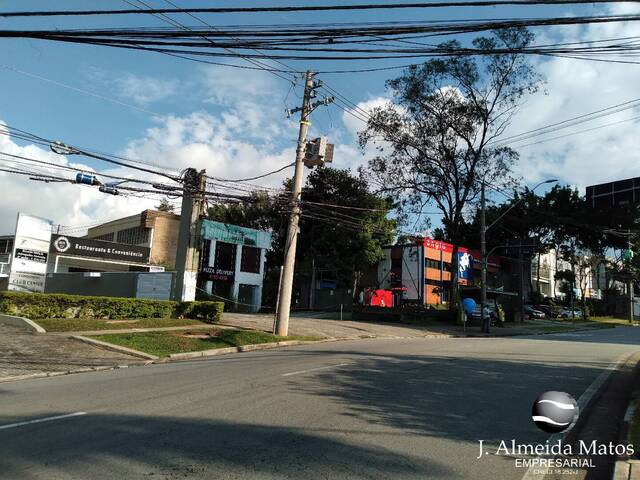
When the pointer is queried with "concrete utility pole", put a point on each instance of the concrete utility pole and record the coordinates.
(483, 254)
(188, 250)
(286, 282)
(630, 287)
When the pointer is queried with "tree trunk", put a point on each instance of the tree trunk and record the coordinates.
(454, 287)
(538, 276)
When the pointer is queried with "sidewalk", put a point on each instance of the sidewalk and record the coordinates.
(25, 355)
(328, 328)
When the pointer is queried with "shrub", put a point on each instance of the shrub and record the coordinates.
(210, 312)
(43, 305)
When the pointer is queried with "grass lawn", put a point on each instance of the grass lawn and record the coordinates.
(85, 324)
(611, 320)
(166, 343)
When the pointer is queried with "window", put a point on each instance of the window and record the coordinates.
(429, 263)
(6, 245)
(107, 237)
(225, 256)
(134, 236)
(250, 261)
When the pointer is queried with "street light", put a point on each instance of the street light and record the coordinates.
(483, 245)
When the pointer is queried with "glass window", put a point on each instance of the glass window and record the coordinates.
(250, 261)
(134, 236)
(225, 256)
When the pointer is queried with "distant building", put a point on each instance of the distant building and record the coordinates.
(614, 194)
(6, 247)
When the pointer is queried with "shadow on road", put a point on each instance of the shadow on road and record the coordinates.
(127, 446)
(451, 397)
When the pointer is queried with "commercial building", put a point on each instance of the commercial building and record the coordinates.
(614, 194)
(420, 272)
(232, 263)
(6, 247)
(152, 229)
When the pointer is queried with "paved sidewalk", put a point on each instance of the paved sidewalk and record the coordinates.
(328, 328)
(23, 353)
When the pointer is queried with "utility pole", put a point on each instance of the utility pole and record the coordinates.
(286, 284)
(321, 153)
(483, 254)
(188, 250)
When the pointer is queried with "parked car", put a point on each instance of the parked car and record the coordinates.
(567, 313)
(533, 313)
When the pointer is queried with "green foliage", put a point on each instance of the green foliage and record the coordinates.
(209, 312)
(436, 138)
(44, 305)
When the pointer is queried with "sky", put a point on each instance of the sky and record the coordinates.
(175, 113)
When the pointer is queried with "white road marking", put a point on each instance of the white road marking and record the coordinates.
(314, 369)
(40, 420)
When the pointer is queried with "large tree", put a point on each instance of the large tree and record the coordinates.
(437, 138)
(342, 230)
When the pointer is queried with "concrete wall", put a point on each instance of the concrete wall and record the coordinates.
(110, 284)
(164, 241)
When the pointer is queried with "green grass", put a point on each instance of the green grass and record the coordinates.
(163, 344)
(86, 324)
(611, 320)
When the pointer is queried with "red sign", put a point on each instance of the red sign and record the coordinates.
(437, 245)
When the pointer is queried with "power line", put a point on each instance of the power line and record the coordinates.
(289, 165)
(311, 8)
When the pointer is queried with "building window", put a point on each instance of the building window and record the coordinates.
(134, 236)
(225, 256)
(6, 245)
(430, 263)
(106, 237)
(250, 261)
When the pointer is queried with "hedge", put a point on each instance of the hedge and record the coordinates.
(54, 305)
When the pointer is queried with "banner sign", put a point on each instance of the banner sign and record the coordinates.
(465, 266)
(30, 254)
(86, 247)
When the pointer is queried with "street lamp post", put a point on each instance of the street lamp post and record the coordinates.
(483, 241)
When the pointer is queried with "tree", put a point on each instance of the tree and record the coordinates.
(165, 205)
(343, 226)
(343, 240)
(436, 140)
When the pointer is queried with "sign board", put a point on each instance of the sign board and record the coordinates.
(86, 247)
(30, 254)
(234, 234)
(213, 273)
(437, 245)
(465, 266)
(526, 246)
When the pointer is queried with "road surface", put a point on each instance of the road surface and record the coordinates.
(383, 408)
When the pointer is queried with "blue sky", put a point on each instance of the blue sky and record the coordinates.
(232, 121)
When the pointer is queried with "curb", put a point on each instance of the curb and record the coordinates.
(245, 348)
(21, 322)
(115, 348)
(30, 376)
(623, 465)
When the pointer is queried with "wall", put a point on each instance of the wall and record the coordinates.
(164, 241)
(111, 284)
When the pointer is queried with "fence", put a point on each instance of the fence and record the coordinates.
(155, 286)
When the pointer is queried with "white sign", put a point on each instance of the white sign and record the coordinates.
(30, 254)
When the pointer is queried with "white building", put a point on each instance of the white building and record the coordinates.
(232, 263)
(550, 264)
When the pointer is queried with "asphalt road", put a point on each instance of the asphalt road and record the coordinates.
(412, 408)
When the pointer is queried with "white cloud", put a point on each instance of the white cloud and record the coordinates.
(145, 90)
(575, 87)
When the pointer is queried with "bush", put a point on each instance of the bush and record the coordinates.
(210, 312)
(53, 305)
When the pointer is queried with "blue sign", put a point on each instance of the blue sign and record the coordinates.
(465, 266)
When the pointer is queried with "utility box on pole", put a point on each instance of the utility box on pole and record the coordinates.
(318, 152)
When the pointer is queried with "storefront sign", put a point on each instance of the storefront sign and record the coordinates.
(212, 273)
(86, 247)
(30, 252)
(234, 234)
(437, 245)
